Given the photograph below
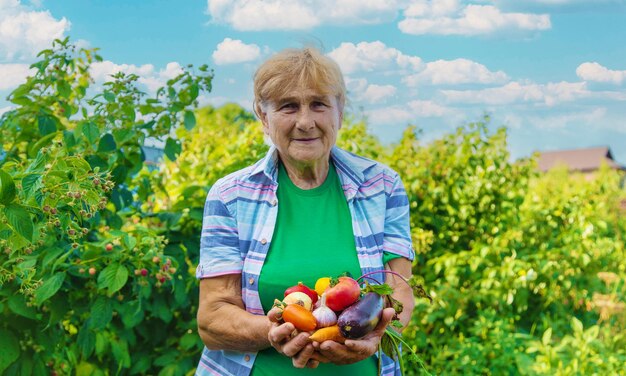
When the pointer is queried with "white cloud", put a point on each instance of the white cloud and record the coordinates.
(517, 92)
(389, 115)
(255, 15)
(11, 75)
(360, 91)
(233, 51)
(427, 108)
(370, 56)
(449, 17)
(378, 93)
(410, 112)
(596, 72)
(148, 76)
(24, 32)
(562, 121)
(458, 71)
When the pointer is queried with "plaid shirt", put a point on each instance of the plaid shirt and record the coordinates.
(239, 221)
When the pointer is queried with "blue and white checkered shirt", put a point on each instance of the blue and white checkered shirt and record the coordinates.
(239, 221)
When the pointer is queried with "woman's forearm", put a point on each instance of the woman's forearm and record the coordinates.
(223, 322)
(229, 327)
(401, 290)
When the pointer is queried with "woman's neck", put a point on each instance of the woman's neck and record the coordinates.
(307, 176)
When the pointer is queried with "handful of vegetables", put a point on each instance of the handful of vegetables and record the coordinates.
(340, 308)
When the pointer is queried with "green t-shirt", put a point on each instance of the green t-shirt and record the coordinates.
(313, 238)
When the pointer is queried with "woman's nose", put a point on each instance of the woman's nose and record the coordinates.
(305, 120)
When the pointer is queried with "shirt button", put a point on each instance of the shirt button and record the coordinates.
(263, 241)
(246, 358)
(251, 281)
(274, 202)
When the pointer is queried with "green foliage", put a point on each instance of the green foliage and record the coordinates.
(509, 254)
(87, 275)
(99, 250)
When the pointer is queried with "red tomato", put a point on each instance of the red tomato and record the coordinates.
(300, 317)
(300, 287)
(343, 294)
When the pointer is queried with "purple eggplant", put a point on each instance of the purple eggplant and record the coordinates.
(361, 317)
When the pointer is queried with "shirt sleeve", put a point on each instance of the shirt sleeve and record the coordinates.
(397, 236)
(219, 240)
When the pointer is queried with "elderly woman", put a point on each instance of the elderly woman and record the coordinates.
(306, 210)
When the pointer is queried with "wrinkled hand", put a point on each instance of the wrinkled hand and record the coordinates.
(287, 341)
(355, 350)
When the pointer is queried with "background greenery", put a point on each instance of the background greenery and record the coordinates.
(99, 248)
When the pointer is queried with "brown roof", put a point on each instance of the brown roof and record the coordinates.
(584, 160)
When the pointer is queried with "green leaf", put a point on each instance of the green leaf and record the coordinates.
(38, 165)
(17, 304)
(49, 288)
(69, 139)
(101, 313)
(194, 91)
(547, 336)
(167, 358)
(95, 161)
(7, 188)
(141, 365)
(172, 148)
(577, 326)
(381, 290)
(58, 308)
(86, 341)
(132, 314)
(10, 349)
(20, 221)
(190, 120)
(34, 148)
(110, 97)
(169, 370)
(21, 100)
(120, 352)
(123, 135)
(26, 364)
(113, 278)
(85, 369)
(189, 341)
(106, 144)
(102, 344)
(30, 183)
(64, 88)
(47, 124)
(91, 132)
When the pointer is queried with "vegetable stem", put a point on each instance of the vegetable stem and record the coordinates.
(385, 271)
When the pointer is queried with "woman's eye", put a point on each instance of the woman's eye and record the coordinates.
(288, 106)
(318, 104)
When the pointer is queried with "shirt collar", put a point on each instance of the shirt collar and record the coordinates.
(267, 166)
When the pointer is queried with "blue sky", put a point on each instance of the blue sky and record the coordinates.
(552, 71)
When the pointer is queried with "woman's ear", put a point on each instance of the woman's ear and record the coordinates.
(264, 121)
(340, 119)
(261, 113)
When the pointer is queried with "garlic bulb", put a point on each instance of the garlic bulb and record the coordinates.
(324, 315)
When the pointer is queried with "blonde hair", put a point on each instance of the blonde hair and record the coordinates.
(292, 68)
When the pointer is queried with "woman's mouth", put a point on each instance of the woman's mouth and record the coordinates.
(305, 140)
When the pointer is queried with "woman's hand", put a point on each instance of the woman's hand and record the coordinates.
(285, 339)
(355, 350)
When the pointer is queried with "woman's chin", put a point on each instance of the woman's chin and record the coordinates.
(307, 155)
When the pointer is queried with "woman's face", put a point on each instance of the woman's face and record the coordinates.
(303, 126)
